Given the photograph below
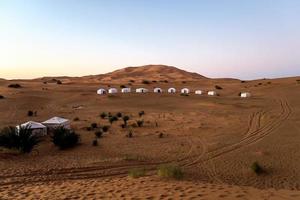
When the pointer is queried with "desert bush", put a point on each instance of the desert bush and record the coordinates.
(95, 142)
(184, 82)
(154, 81)
(103, 115)
(123, 125)
(256, 168)
(88, 128)
(119, 115)
(59, 82)
(243, 81)
(21, 139)
(94, 125)
(14, 85)
(109, 114)
(30, 113)
(125, 119)
(136, 173)
(218, 87)
(141, 113)
(146, 82)
(184, 95)
(98, 134)
(166, 81)
(140, 123)
(298, 81)
(160, 135)
(76, 119)
(105, 129)
(1, 96)
(122, 86)
(65, 138)
(130, 134)
(112, 119)
(170, 171)
(132, 81)
(259, 83)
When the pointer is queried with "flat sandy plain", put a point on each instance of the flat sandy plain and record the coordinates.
(214, 139)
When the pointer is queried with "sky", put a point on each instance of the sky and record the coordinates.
(216, 38)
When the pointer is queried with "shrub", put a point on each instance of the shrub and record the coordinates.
(136, 173)
(130, 134)
(256, 168)
(1, 96)
(218, 87)
(98, 134)
(76, 119)
(112, 119)
(58, 82)
(65, 138)
(15, 85)
(103, 115)
(123, 125)
(259, 83)
(95, 142)
(170, 171)
(154, 81)
(166, 81)
(109, 114)
(243, 81)
(140, 123)
(184, 82)
(125, 119)
(88, 128)
(21, 139)
(298, 81)
(146, 82)
(141, 113)
(161, 135)
(30, 113)
(122, 86)
(184, 95)
(119, 115)
(94, 125)
(132, 81)
(105, 129)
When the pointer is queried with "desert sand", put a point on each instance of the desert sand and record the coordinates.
(213, 139)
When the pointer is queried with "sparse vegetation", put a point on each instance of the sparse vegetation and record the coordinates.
(256, 168)
(105, 129)
(98, 134)
(58, 82)
(154, 81)
(65, 138)
(94, 125)
(88, 128)
(119, 115)
(243, 81)
(125, 119)
(1, 96)
(30, 113)
(298, 81)
(103, 115)
(95, 142)
(146, 82)
(184, 82)
(132, 81)
(76, 119)
(140, 123)
(112, 119)
(136, 173)
(170, 171)
(21, 139)
(160, 135)
(184, 95)
(14, 85)
(259, 83)
(130, 134)
(141, 113)
(218, 87)
(122, 86)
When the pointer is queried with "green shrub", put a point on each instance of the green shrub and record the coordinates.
(140, 123)
(94, 125)
(256, 168)
(105, 129)
(98, 134)
(170, 171)
(21, 139)
(141, 113)
(136, 173)
(65, 138)
(103, 115)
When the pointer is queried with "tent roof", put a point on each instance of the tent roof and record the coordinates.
(56, 120)
(33, 125)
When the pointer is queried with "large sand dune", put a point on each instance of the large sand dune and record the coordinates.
(213, 139)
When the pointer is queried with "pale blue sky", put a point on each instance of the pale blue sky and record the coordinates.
(216, 38)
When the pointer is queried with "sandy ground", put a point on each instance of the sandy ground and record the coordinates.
(214, 140)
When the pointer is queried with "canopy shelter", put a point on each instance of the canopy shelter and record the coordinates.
(56, 122)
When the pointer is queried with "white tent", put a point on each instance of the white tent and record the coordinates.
(157, 90)
(171, 90)
(101, 91)
(36, 128)
(245, 94)
(141, 90)
(55, 122)
(185, 91)
(126, 90)
(198, 92)
(212, 93)
(112, 90)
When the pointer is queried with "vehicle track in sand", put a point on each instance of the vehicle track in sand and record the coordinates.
(255, 132)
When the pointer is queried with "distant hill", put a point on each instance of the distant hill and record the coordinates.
(147, 72)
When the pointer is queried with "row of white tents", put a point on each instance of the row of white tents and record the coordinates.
(102, 91)
(42, 128)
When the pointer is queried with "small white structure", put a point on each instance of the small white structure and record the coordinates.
(141, 90)
(36, 128)
(157, 90)
(185, 91)
(56, 122)
(212, 93)
(126, 90)
(172, 90)
(101, 91)
(112, 90)
(198, 92)
(245, 94)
